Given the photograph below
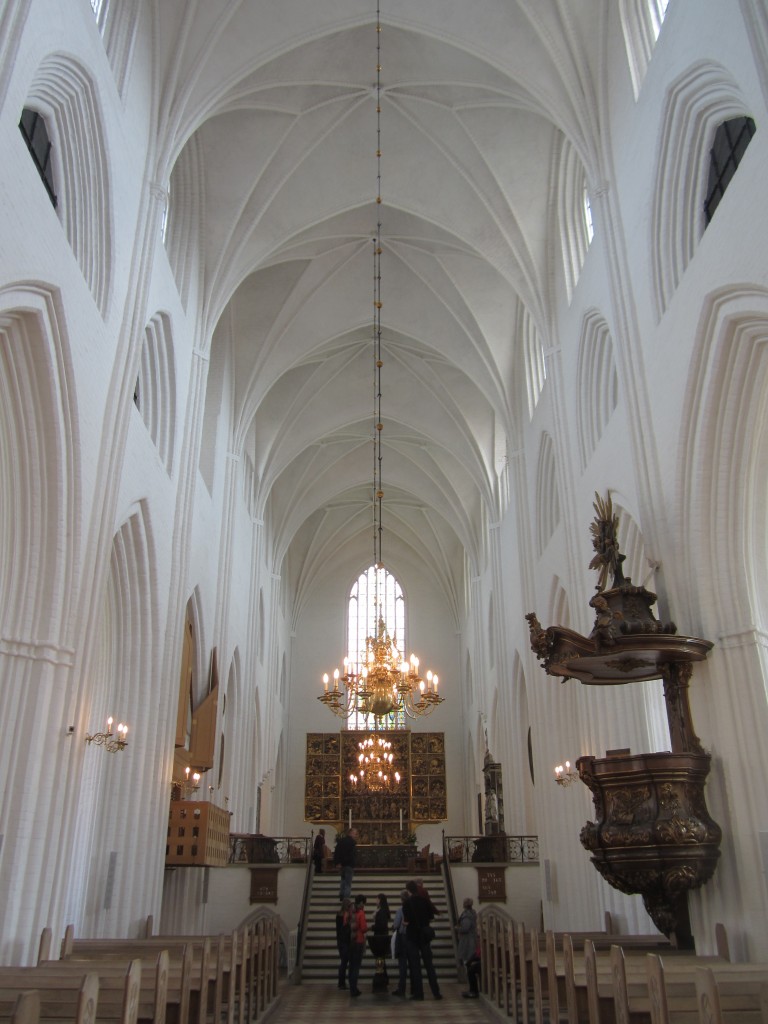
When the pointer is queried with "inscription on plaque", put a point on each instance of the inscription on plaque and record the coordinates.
(264, 885)
(491, 885)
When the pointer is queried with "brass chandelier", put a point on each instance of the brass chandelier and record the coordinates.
(375, 770)
(385, 683)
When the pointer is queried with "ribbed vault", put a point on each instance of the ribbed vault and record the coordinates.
(276, 105)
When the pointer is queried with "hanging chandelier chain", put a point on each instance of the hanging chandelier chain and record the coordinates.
(378, 425)
(384, 684)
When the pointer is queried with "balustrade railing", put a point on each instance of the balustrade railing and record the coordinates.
(256, 849)
(498, 849)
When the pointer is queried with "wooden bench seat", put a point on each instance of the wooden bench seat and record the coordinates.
(72, 996)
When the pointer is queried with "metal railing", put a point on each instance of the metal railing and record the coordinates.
(499, 849)
(256, 849)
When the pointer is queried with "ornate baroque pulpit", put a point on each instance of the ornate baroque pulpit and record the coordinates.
(653, 834)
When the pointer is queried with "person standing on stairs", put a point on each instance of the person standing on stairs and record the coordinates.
(467, 929)
(344, 859)
(357, 945)
(381, 922)
(318, 850)
(344, 938)
(418, 913)
(399, 952)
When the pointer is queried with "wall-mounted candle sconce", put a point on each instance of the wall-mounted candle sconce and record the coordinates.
(564, 774)
(108, 739)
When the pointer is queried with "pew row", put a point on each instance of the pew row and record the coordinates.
(191, 979)
(603, 978)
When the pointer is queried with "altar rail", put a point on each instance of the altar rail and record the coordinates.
(499, 849)
(257, 849)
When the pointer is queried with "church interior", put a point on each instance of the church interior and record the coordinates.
(330, 329)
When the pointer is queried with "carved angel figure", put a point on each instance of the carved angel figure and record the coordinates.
(604, 530)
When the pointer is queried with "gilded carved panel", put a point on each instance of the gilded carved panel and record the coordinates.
(383, 817)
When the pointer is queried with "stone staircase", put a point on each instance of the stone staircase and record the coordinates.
(321, 959)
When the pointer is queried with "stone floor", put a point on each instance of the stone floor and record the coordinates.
(313, 1003)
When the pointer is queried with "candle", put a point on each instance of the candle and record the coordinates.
(401, 819)
(350, 817)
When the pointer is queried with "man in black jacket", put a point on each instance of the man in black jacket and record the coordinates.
(344, 858)
(417, 914)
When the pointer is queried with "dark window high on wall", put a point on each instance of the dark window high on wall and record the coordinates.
(35, 133)
(731, 140)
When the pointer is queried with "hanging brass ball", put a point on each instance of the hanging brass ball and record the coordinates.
(378, 199)
(379, 364)
(379, 495)
(379, 426)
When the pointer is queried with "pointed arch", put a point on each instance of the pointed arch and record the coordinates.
(118, 24)
(598, 384)
(533, 352)
(491, 633)
(641, 22)
(64, 93)
(155, 394)
(697, 102)
(724, 458)
(125, 659)
(185, 214)
(573, 222)
(194, 615)
(39, 480)
(231, 712)
(547, 493)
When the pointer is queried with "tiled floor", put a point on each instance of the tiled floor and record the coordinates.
(314, 1003)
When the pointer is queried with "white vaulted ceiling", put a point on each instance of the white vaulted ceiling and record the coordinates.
(273, 104)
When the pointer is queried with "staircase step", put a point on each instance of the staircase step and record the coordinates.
(320, 959)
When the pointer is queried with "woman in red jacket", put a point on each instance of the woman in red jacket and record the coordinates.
(357, 946)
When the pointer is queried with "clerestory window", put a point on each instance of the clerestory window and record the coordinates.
(731, 140)
(35, 133)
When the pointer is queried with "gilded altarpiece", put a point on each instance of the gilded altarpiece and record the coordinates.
(384, 817)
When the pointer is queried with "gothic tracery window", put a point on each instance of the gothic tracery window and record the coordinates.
(376, 592)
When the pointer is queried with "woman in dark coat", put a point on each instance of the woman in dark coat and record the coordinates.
(381, 922)
(383, 915)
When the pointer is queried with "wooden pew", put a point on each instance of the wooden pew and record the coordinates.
(167, 980)
(71, 996)
(27, 1009)
(190, 974)
(626, 990)
(236, 976)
